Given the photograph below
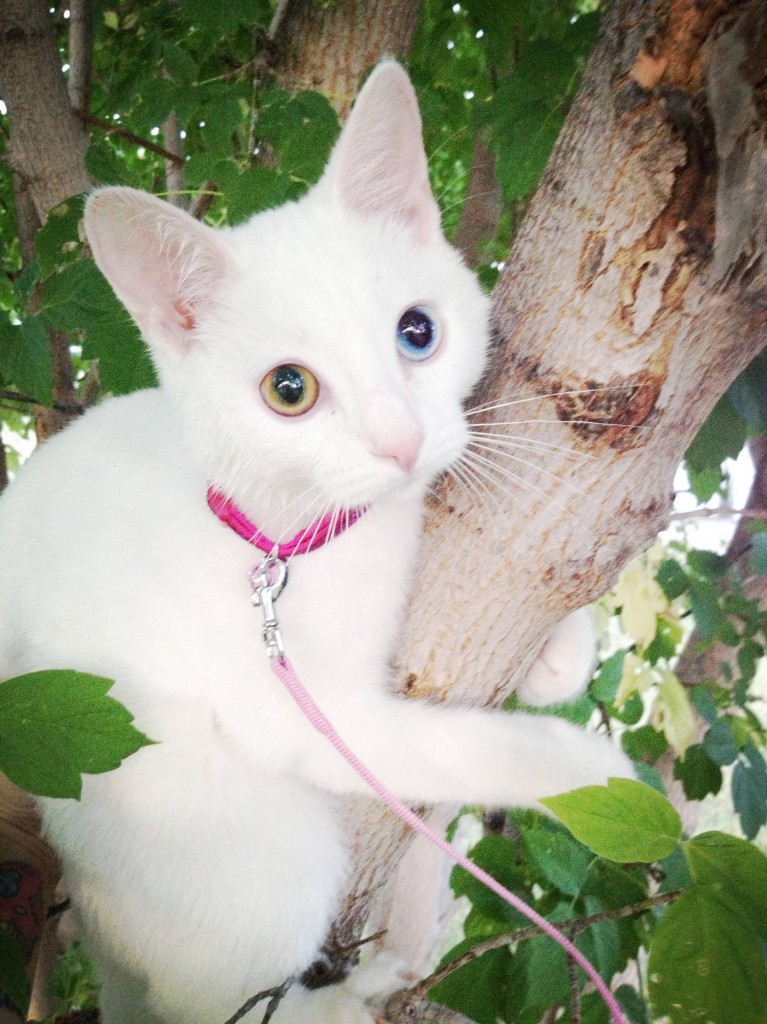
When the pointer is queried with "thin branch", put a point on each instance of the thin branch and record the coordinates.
(533, 932)
(17, 396)
(3, 466)
(203, 201)
(723, 510)
(274, 995)
(575, 992)
(115, 129)
(80, 47)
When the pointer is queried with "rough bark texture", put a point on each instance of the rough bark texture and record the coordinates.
(481, 211)
(637, 284)
(80, 46)
(330, 47)
(47, 144)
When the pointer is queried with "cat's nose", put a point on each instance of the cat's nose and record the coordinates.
(403, 448)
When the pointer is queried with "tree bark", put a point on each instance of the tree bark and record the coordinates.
(481, 210)
(47, 141)
(330, 47)
(635, 293)
(80, 44)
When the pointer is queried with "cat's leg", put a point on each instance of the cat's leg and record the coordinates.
(438, 754)
(350, 1002)
(565, 665)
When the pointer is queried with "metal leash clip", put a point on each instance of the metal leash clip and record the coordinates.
(268, 580)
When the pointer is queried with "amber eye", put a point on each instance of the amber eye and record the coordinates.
(290, 390)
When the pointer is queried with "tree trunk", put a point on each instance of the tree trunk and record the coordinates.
(634, 295)
(47, 142)
(329, 47)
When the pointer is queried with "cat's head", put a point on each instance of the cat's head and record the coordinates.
(322, 349)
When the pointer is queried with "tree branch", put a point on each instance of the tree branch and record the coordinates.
(80, 40)
(576, 924)
(481, 211)
(115, 129)
(274, 995)
(47, 142)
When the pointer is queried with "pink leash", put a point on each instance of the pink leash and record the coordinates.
(268, 580)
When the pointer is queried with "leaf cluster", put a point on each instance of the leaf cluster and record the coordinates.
(706, 923)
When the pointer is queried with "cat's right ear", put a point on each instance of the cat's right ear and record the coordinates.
(162, 264)
(378, 167)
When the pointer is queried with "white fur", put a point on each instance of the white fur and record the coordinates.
(209, 866)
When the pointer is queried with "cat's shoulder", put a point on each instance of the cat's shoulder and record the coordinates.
(110, 442)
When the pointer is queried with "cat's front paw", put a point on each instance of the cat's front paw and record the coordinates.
(563, 668)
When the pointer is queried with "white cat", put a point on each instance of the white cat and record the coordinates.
(315, 358)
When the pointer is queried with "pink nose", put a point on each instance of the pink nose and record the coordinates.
(404, 449)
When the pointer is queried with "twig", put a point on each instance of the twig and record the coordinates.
(80, 42)
(533, 932)
(274, 995)
(575, 992)
(203, 201)
(723, 510)
(3, 466)
(115, 129)
(71, 408)
(57, 909)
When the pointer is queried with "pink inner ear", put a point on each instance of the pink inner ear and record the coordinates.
(379, 164)
(186, 316)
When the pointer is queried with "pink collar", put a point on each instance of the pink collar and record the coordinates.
(311, 537)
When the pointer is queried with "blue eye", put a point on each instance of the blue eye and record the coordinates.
(417, 334)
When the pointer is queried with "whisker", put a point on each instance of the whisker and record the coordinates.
(587, 423)
(317, 520)
(475, 489)
(490, 406)
(531, 465)
(445, 142)
(303, 514)
(529, 444)
(524, 484)
(478, 464)
(464, 199)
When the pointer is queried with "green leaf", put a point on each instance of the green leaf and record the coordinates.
(497, 856)
(706, 609)
(632, 1004)
(13, 975)
(698, 773)
(704, 965)
(624, 821)
(720, 743)
(758, 555)
(672, 578)
(736, 872)
(25, 359)
(705, 483)
(179, 63)
(721, 437)
(749, 792)
(706, 960)
(704, 703)
(58, 241)
(707, 563)
(58, 724)
(563, 861)
(478, 988)
(644, 744)
(78, 298)
(605, 684)
(105, 167)
(256, 189)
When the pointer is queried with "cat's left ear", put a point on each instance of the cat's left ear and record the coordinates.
(378, 167)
